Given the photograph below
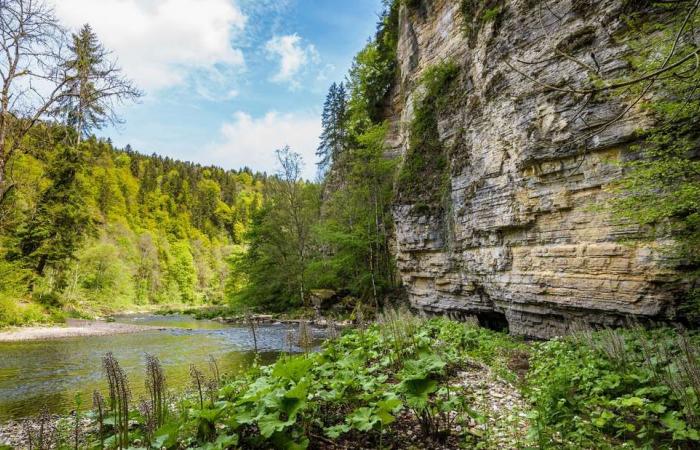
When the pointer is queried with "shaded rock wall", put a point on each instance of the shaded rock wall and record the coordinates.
(519, 233)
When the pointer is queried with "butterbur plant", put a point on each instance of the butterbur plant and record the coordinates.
(119, 396)
(614, 345)
(305, 339)
(215, 373)
(212, 390)
(289, 340)
(332, 330)
(76, 425)
(148, 420)
(436, 407)
(198, 383)
(252, 324)
(41, 433)
(398, 328)
(157, 390)
(683, 376)
(98, 405)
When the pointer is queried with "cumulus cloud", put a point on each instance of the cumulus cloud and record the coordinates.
(160, 42)
(293, 57)
(252, 141)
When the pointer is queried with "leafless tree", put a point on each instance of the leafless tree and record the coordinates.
(675, 63)
(31, 48)
(290, 191)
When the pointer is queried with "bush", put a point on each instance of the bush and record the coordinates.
(14, 313)
(425, 171)
(614, 387)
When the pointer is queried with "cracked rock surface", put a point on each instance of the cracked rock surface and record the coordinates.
(519, 236)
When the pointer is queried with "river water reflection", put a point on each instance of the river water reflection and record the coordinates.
(52, 373)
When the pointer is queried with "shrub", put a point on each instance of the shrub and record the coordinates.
(16, 313)
(425, 170)
(611, 387)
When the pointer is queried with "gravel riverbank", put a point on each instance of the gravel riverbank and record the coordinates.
(72, 328)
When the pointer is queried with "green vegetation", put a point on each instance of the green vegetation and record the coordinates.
(374, 72)
(92, 229)
(661, 186)
(336, 235)
(617, 389)
(354, 231)
(426, 169)
(86, 228)
(411, 381)
(272, 273)
(357, 391)
(476, 13)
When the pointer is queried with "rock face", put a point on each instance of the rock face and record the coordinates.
(519, 237)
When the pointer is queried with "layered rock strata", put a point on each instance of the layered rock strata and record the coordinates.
(520, 235)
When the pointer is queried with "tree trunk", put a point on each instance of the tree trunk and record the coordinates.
(42, 265)
(3, 188)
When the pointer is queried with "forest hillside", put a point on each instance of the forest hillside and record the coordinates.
(91, 229)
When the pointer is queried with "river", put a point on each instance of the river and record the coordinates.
(50, 374)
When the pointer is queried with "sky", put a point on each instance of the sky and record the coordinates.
(226, 82)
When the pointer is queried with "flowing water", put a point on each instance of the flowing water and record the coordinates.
(50, 374)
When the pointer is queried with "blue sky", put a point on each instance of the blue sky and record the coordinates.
(227, 81)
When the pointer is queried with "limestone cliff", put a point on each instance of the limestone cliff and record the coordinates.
(518, 234)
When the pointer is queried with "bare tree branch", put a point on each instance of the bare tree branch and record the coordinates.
(30, 50)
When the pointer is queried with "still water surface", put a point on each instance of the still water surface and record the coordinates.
(51, 373)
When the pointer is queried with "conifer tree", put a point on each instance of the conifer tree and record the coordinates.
(61, 222)
(93, 85)
(334, 134)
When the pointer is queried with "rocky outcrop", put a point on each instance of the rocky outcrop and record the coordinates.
(519, 235)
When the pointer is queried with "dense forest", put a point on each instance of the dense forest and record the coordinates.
(87, 229)
(341, 229)
(91, 229)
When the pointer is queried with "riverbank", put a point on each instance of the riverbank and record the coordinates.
(72, 328)
(414, 382)
(16, 434)
(229, 316)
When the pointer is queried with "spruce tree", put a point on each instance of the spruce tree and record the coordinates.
(62, 221)
(334, 135)
(93, 84)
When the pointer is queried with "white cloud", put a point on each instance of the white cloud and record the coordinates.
(293, 57)
(250, 141)
(160, 42)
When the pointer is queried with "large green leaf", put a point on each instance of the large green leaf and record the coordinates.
(167, 435)
(387, 408)
(292, 368)
(418, 390)
(336, 431)
(363, 419)
(269, 424)
(285, 441)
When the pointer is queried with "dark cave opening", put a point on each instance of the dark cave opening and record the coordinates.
(493, 321)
